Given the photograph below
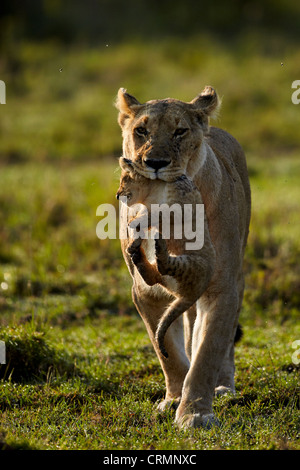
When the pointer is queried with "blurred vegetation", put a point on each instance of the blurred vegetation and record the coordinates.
(115, 20)
(60, 101)
(63, 63)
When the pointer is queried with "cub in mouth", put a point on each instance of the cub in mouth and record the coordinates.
(177, 259)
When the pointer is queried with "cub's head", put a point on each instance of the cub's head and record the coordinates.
(163, 138)
(132, 185)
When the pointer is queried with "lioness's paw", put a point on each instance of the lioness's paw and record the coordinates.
(197, 420)
(222, 390)
(168, 404)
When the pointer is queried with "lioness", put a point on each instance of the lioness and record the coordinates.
(192, 264)
(166, 139)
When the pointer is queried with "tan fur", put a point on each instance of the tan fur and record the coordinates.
(166, 139)
(190, 268)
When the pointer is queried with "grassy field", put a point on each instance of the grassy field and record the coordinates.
(80, 372)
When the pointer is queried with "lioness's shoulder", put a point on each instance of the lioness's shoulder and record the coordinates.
(223, 142)
(227, 149)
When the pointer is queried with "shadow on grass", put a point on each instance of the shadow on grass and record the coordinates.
(282, 399)
(31, 360)
(16, 446)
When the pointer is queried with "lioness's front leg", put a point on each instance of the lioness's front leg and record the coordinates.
(151, 308)
(213, 330)
(225, 383)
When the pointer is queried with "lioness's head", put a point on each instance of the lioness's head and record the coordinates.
(163, 138)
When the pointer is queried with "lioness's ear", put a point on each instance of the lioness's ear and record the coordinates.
(127, 105)
(207, 102)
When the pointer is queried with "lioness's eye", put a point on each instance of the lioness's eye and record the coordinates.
(142, 131)
(180, 131)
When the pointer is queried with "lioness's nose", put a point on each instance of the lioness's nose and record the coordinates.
(156, 164)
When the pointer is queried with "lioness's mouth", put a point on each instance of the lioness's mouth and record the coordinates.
(169, 175)
(163, 172)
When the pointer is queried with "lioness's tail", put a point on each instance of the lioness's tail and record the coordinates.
(176, 309)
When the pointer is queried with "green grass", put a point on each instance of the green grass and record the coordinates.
(80, 372)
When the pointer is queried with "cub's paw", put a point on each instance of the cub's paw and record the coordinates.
(134, 250)
(139, 223)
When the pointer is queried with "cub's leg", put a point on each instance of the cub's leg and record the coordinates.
(166, 264)
(216, 317)
(151, 308)
(148, 272)
(135, 250)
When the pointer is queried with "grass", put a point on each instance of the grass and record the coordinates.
(80, 372)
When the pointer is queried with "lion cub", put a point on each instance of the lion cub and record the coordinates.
(191, 269)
